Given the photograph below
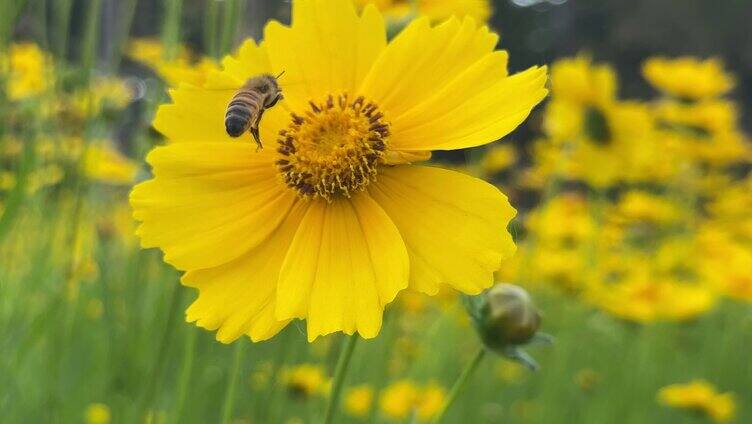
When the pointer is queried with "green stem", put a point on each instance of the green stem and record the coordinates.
(171, 28)
(339, 378)
(161, 359)
(91, 33)
(61, 10)
(210, 28)
(459, 385)
(232, 383)
(127, 12)
(185, 373)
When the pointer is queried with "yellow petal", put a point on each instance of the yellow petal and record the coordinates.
(346, 262)
(454, 225)
(422, 60)
(240, 297)
(327, 50)
(209, 202)
(456, 118)
(251, 60)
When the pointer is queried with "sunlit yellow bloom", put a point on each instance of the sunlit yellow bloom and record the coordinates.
(579, 81)
(104, 163)
(98, 413)
(175, 72)
(29, 71)
(562, 221)
(179, 68)
(262, 234)
(499, 158)
(305, 380)
(725, 262)
(642, 299)
(593, 136)
(398, 400)
(358, 400)
(402, 398)
(700, 396)
(152, 51)
(688, 77)
(431, 400)
(435, 10)
(640, 206)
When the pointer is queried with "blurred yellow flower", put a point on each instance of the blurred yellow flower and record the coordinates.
(510, 372)
(688, 78)
(402, 398)
(104, 163)
(643, 300)
(636, 205)
(580, 82)
(261, 234)
(358, 400)
(700, 396)
(430, 401)
(29, 71)
(305, 380)
(182, 67)
(102, 94)
(98, 413)
(435, 10)
(498, 158)
(398, 400)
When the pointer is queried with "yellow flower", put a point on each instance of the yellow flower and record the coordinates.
(180, 68)
(579, 81)
(102, 94)
(642, 299)
(637, 205)
(175, 72)
(262, 234)
(104, 163)
(398, 400)
(401, 398)
(725, 263)
(29, 72)
(510, 372)
(592, 136)
(701, 396)
(430, 402)
(98, 413)
(499, 158)
(688, 77)
(358, 400)
(435, 10)
(152, 52)
(305, 380)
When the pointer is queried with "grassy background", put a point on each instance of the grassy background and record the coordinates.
(140, 358)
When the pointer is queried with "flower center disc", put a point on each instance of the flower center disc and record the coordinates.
(334, 149)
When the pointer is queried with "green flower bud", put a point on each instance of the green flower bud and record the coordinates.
(505, 318)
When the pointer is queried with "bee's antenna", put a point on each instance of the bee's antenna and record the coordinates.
(280, 74)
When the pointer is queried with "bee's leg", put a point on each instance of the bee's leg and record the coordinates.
(255, 131)
(256, 138)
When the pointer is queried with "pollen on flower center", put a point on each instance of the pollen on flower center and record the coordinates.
(334, 149)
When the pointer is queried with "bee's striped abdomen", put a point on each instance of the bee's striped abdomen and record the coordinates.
(242, 111)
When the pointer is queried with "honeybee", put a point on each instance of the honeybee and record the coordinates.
(247, 106)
